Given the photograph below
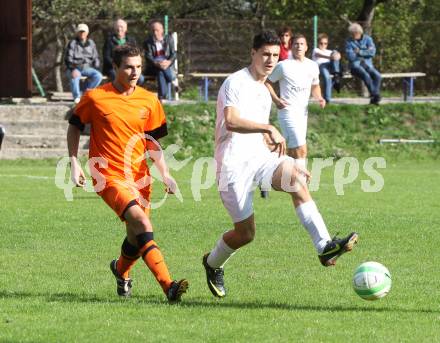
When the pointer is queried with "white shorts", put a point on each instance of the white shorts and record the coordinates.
(238, 198)
(293, 127)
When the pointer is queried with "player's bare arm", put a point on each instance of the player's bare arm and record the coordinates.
(234, 123)
(278, 101)
(76, 172)
(316, 93)
(156, 155)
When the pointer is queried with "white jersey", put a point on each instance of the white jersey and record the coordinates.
(296, 79)
(324, 52)
(235, 152)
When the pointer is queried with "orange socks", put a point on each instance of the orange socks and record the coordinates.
(128, 258)
(154, 260)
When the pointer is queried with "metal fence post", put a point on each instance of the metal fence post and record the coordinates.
(315, 31)
(37, 83)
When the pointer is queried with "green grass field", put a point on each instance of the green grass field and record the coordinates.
(55, 285)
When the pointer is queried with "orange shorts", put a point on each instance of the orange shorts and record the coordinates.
(119, 195)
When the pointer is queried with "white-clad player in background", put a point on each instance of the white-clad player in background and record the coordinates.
(245, 161)
(298, 78)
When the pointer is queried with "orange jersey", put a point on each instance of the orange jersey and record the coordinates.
(118, 123)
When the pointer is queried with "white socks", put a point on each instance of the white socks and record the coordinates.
(220, 254)
(312, 220)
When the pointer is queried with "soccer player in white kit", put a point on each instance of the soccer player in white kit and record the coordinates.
(298, 78)
(251, 152)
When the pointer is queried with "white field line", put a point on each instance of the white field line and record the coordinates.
(37, 177)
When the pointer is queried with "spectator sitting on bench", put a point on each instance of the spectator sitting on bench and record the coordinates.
(116, 38)
(329, 64)
(285, 34)
(82, 60)
(360, 50)
(160, 56)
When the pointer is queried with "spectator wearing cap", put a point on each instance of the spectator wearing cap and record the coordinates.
(116, 38)
(82, 60)
(360, 50)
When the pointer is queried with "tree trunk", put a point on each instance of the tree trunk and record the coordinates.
(259, 13)
(366, 15)
(263, 22)
(58, 59)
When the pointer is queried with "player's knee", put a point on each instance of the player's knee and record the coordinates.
(289, 178)
(247, 237)
(145, 224)
(140, 224)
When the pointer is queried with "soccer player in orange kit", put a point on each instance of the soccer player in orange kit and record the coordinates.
(126, 122)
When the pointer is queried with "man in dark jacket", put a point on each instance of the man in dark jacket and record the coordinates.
(116, 38)
(160, 55)
(82, 60)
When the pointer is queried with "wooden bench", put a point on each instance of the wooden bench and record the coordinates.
(171, 89)
(205, 77)
(408, 81)
(67, 96)
(104, 77)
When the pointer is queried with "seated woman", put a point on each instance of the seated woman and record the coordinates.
(329, 65)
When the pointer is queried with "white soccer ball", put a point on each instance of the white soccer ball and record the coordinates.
(371, 281)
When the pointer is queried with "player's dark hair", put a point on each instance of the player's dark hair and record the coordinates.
(265, 38)
(126, 50)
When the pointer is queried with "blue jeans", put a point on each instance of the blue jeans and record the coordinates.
(369, 75)
(326, 69)
(164, 77)
(112, 75)
(94, 78)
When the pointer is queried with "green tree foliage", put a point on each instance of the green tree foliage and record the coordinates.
(395, 22)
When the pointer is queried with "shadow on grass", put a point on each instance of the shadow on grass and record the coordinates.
(79, 298)
(299, 307)
(217, 303)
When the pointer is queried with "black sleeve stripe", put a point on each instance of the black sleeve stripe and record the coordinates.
(74, 120)
(159, 132)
